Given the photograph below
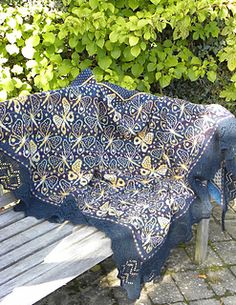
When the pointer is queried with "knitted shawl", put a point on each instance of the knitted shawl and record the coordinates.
(139, 167)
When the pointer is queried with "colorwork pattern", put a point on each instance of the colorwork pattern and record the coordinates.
(116, 159)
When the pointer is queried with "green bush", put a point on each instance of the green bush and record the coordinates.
(149, 45)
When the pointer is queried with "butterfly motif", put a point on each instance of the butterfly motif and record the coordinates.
(144, 138)
(100, 116)
(62, 161)
(117, 114)
(46, 137)
(109, 140)
(107, 209)
(5, 119)
(184, 109)
(140, 109)
(113, 164)
(164, 223)
(115, 181)
(194, 139)
(65, 189)
(128, 127)
(17, 102)
(182, 164)
(34, 153)
(171, 129)
(149, 235)
(77, 175)
(19, 138)
(65, 118)
(161, 153)
(149, 169)
(34, 114)
(74, 95)
(83, 103)
(51, 99)
(130, 158)
(43, 179)
(102, 155)
(78, 139)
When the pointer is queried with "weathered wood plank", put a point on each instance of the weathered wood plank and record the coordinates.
(7, 198)
(1, 190)
(8, 217)
(79, 258)
(34, 245)
(14, 263)
(20, 238)
(202, 240)
(17, 227)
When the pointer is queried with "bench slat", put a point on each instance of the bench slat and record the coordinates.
(58, 274)
(17, 227)
(9, 217)
(34, 245)
(14, 263)
(23, 237)
(7, 198)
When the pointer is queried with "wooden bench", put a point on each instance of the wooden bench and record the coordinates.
(37, 256)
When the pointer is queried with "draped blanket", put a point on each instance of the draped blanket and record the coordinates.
(139, 167)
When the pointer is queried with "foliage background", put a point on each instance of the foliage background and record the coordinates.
(183, 48)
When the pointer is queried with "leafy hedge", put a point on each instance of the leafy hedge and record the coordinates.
(148, 45)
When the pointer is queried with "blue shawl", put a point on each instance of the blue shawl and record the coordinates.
(139, 167)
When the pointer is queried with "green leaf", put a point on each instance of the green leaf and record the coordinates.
(151, 67)
(11, 37)
(158, 75)
(74, 72)
(31, 64)
(12, 49)
(127, 54)
(171, 61)
(49, 37)
(17, 69)
(232, 62)
(211, 75)
(49, 74)
(91, 47)
(192, 75)
(28, 51)
(114, 36)
(133, 40)
(104, 62)
(164, 80)
(116, 52)
(137, 69)
(62, 34)
(65, 67)
(133, 4)
(73, 41)
(93, 4)
(85, 64)
(233, 78)
(8, 84)
(135, 51)
(229, 93)
(155, 1)
(196, 61)
(100, 42)
(35, 40)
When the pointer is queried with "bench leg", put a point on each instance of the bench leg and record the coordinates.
(202, 241)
